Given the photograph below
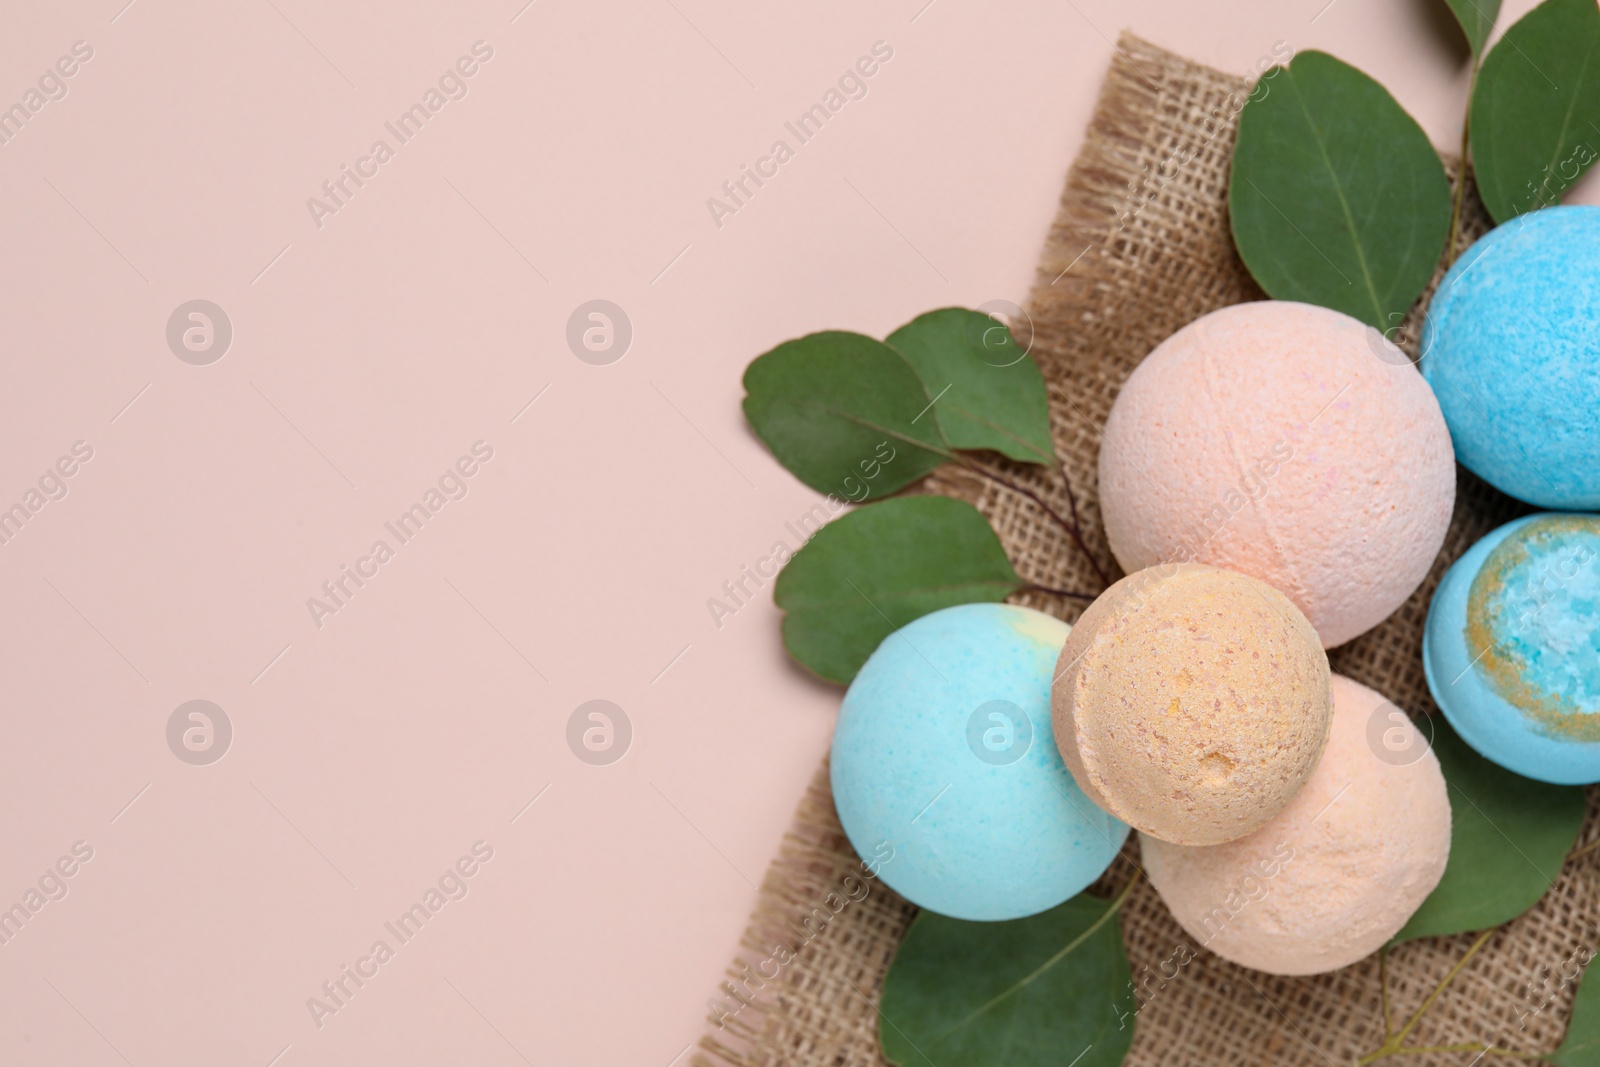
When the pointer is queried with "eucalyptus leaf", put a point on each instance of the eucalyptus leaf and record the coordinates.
(831, 406)
(989, 391)
(1581, 1046)
(1477, 19)
(1336, 196)
(871, 571)
(1051, 989)
(1535, 115)
(1509, 837)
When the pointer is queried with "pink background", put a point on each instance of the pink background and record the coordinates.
(368, 354)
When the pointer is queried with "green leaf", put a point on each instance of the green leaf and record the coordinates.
(873, 570)
(1051, 989)
(1581, 1046)
(1509, 837)
(1535, 116)
(990, 392)
(1336, 196)
(1476, 18)
(832, 406)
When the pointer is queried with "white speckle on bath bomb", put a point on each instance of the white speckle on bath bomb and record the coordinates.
(1338, 872)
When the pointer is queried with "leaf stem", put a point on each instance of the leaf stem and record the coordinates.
(1037, 588)
(1466, 957)
(1072, 507)
(1394, 1044)
(1459, 200)
(1481, 1050)
(1071, 528)
(1383, 992)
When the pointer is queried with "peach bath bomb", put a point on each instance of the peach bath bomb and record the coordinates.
(1191, 702)
(944, 769)
(1511, 345)
(1512, 647)
(1287, 442)
(1339, 871)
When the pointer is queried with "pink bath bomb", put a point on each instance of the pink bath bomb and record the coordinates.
(1286, 442)
(1338, 871)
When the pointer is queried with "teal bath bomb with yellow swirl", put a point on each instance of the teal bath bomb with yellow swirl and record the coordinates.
(1512, 647)
(944, 762)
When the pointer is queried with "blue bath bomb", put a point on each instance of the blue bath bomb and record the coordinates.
(1512, 647)
(945, 770)
(1511, 346)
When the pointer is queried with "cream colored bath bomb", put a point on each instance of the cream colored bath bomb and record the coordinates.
(1339, 871)
(1191, 702)
(1288, 442)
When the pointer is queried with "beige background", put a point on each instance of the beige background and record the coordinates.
(368, 355)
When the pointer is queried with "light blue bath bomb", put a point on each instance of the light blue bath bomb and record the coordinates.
(1512, 647)
(1511, 346)
(946, 774)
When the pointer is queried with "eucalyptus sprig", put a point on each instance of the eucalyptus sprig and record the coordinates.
(861, 418)
(1337, 198)
(1535, 114)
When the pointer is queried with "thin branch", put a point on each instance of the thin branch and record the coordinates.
(1472, 950)
(1077, 523)
(1071, 528)
(1037, 588)
(1394, 1045)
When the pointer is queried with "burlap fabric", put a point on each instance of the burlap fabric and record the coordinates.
(1140, 246)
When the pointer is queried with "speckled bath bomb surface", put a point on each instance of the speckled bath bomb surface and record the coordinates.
(1512, 647)
(943, 759)
(1511, 345)
(1339, 871)
(1287, 442)
(1192, 702)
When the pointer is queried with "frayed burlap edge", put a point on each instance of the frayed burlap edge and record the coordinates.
(1139, 247)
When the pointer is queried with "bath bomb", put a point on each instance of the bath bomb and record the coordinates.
(1287, 442)
(1338, 871)
(1512, 647)
(946, 777)
(1511, 346)
(1192, 702)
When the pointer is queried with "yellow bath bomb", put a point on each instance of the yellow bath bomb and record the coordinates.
(1192, 702)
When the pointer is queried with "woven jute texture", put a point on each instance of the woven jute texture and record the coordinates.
(1140, 247)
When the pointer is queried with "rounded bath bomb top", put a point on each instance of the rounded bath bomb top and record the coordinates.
(1511, 345)
(1338, 871)
(1512, 647)
(1287, 442)
(946, 776)
(1192, 702)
